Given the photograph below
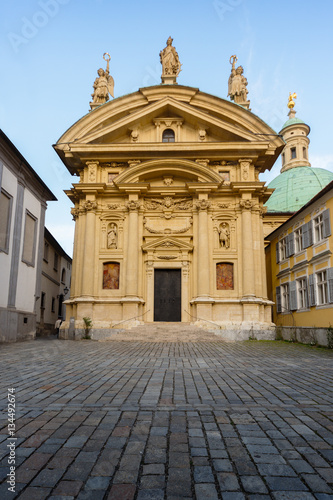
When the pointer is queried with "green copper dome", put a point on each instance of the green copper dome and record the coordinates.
(295, 187)
(292, 121)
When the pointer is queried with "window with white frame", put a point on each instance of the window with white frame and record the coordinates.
(318, 228)
(285, 297)
(283, 249)
(322, 291)
(302, 293)
(298, 240)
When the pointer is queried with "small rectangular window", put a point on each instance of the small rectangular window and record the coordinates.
(42, 301)
(29, 242)
(5, 218)
(225, 175)
(302, 293)
(53, 305)
(318, 228)
(304, 153)
(298, 240)
(322, 291)
(283, 248)
(285, 297)
(292, 153)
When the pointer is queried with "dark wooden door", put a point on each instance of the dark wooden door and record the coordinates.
(167, 295)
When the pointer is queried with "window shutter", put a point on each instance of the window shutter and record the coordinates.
(278, 299)
(330, 284)
(327, 223)
(310, 233)
(291, 244)
(307, 293)
(305, 236)
(293, 295)
(277, 249)
(312, 290)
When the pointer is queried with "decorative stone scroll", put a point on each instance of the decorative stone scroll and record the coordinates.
(75, 212)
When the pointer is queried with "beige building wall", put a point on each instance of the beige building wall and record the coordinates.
(192, 207)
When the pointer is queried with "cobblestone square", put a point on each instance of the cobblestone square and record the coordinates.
(198, 419)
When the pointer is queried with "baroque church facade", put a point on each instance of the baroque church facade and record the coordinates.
(169, 208)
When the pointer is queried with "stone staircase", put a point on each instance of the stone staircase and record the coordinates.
(164, 332)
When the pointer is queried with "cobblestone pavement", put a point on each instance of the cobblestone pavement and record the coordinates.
(200, 420)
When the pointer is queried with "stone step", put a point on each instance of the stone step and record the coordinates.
(164, 332)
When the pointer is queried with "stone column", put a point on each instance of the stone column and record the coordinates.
(203, 248)
(88, 266)
(132, 247)
(247, 248)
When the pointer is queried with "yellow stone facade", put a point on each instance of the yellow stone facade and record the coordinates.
(169, 180)
(299, 265)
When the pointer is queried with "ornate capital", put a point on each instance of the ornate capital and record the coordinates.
(133, 205)
(202, 204)
(89, 205)
(246, 204)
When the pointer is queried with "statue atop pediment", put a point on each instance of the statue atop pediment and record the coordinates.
(171, 66)
(237, 84)
(103, 85)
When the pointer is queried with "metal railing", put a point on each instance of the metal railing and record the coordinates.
(202, 319)
(130, 319)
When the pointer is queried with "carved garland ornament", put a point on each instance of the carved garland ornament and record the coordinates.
(133, 205)
(167, 231)
(202, 204)
(89, 205)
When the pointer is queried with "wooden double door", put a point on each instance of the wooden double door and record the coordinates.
(167, 295)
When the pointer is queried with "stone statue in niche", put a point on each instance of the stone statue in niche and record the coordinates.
(103, 85)
(224, 235)
(112, 236)
(237, 83)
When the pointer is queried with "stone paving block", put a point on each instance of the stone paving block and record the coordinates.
(233, 496)
(152, 482)
(206, 492)
(327, 474)
(292, 495)
(70, 488)
(97, 483)
(122, 492)
(153, 469)
(222, 465)
(203, 474)
(228, 481)
(253, 484)
(316, 483)
(37, 460)
(78, 471)
(285, 484)
(35, 493)
(48, 477)
(153, 494)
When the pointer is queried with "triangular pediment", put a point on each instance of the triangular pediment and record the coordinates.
(119, 130)
(167, 243)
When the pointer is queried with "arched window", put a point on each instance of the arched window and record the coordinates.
(168, 135)
(224, 276)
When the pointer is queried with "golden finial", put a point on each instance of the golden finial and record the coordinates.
(291, 103)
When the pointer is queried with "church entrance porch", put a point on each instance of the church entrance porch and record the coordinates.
(167, 295)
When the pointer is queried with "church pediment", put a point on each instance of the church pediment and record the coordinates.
(133, 126)
(167, 243)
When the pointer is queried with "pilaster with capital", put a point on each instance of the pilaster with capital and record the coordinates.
(246, 206)
(203, 273)
(91, 172)
(132, 264)
(89, 206)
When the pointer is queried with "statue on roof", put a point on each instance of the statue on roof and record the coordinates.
(103, 85)
(171, 66)
(237, 84)
(291, 103)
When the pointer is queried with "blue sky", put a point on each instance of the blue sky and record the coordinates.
(51, 49)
